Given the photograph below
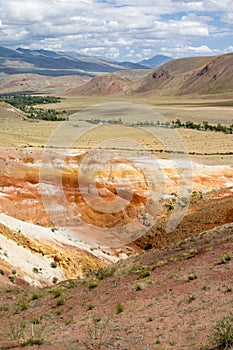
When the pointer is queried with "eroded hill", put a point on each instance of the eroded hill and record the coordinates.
(59, 222)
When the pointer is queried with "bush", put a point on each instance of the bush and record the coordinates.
(225, 257)
(60, 301)
(144, 273)
(93, 283)
(90, 306)
(223, 333)
(36, 296)
(138, 287)
(57, 292)
(190, 298)
(192, 276)
(119, 308)
(23, 305)
(11, 278)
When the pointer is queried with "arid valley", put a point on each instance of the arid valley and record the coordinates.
(116, 216)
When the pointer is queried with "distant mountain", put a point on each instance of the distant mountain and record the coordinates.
(45, 62)
(130, 65)
(189, 76)
(155, 61)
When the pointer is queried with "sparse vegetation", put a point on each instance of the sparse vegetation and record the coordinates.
(138, 287)
(144, 273)
(90, 306)
(33, 333)
(93, 283)
(97, 331)
(4, 307)
(228, 288)
(11, 278)
(119, 308)
(60, 301)
(225, 258)
(36, 295)
(23, 304)
(57, 292)
(223, 333)
(104, 272)
(191, 297)
(192, 276)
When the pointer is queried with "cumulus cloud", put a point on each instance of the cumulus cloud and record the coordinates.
(181, 50)
(116, 29)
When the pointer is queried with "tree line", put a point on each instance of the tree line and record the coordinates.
(25, 103)
(204, 126)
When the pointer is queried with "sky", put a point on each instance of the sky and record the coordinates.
(119, 29)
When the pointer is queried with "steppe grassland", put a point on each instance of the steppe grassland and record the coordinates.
(23, 133)
(196, 110)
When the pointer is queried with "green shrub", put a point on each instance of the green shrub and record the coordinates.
(190, 298)
(119, 308)
(90, 306)
(144, 273)
(192, 276)
(4, 308)
(57, 292)
(60, 302)
(138, 287)
(225, 257)
(23, 305)
(223, 333)
(11, 278)
(104, 272)
(93, 283)
(36, 296)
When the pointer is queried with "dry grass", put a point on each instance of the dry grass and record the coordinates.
(17, 132)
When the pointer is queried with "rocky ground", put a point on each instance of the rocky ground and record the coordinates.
(163, 299)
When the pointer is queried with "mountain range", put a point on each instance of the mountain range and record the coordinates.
(187, 76)
(50, 63)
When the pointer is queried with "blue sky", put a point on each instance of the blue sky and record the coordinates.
(119, 29)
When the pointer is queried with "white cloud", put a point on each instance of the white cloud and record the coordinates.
(113, 28)
(179, 51)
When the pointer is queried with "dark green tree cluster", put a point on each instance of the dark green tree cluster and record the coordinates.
(25, 103)
(204, 126)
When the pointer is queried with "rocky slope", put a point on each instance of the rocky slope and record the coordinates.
(190, 76)
(109, 84)
(163, 299)
(64, 214)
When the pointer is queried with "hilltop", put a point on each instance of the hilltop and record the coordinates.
(193, 76)
(190, 76)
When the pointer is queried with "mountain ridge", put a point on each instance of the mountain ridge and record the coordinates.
(189, 76)
(45, 62)
(192, 76)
